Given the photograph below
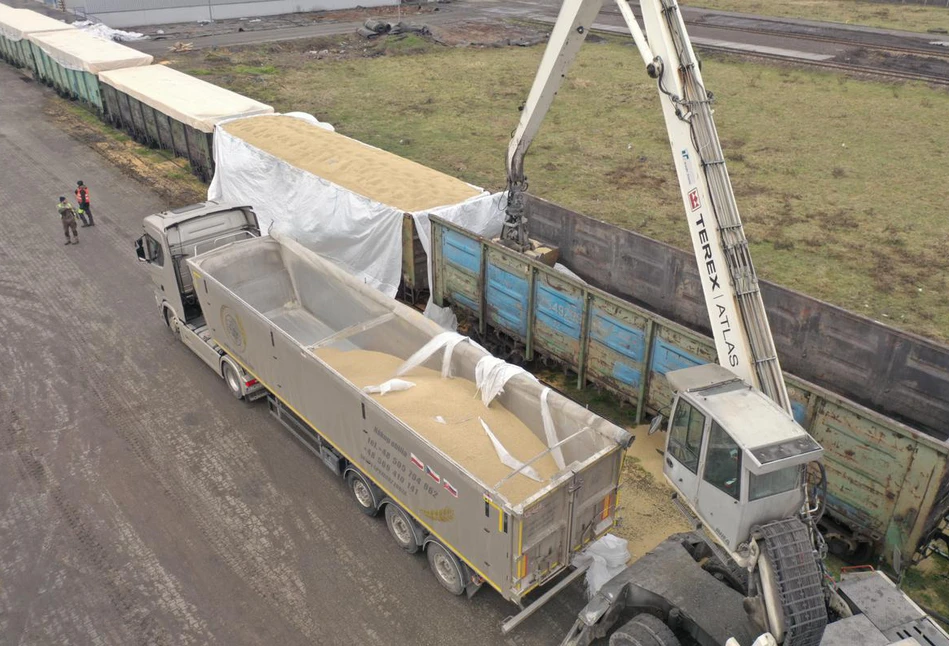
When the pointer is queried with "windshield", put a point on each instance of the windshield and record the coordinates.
(776, 482)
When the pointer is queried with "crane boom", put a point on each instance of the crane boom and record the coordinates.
(733, 299)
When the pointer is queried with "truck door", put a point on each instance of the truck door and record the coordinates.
(684, 447)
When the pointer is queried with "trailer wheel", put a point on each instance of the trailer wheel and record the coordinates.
(362, 494)
(232, 379)
(644, 630)
(446, 568)
(401, 528)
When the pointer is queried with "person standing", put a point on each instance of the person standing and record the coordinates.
(67, 215)
(82, 197)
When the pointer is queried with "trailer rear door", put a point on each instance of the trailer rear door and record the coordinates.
(580, 508)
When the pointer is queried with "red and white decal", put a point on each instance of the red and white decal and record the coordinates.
(417, 462)
(451, 489)
(694, 199)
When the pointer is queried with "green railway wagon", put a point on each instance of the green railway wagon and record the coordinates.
(887, 483)
(70, 62)
(168, 109)
(16, 25)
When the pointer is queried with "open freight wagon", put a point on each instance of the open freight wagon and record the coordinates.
(16, 25)
(70, 62)
(315, 338)
(888, 484)
(167, 109)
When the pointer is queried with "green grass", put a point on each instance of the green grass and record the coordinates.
(840, 182)
(869, 13)
(255, 70)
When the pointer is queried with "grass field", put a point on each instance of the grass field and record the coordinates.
(841, 182)
(886, 15)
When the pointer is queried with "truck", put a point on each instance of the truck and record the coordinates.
(746, 475)
(500, 490)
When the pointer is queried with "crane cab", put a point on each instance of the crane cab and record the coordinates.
(736, 458)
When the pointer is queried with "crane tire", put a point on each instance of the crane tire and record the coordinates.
(644, 630)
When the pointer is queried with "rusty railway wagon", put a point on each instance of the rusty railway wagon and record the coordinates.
(888, 483)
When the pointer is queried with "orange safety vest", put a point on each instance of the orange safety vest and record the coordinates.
(79, 194)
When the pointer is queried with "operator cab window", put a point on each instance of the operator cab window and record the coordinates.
(685, 438)
(723, 462)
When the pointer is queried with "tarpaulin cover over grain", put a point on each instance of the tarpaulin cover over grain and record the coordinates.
(77, 50)
(343, 199)
(187, 99)
(17, 24)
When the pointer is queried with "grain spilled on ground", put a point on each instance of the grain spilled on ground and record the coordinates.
(368, 171)
(647, 514)
(462, 436)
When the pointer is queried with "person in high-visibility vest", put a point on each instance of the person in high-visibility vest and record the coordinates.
(85, 209)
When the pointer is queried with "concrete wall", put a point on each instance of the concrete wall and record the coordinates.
(134, 13)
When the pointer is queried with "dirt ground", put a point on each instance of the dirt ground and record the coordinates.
(180, 30)
(167, 176)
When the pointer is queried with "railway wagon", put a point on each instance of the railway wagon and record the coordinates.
(16, 25)
(888, 484)
(167, 109)
(317, 338)
(70, 62)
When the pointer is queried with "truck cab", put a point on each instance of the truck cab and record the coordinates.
(736, 458)
(170, 238)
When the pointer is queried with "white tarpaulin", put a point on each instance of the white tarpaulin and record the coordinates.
(183, 97)
(341, 198)
(17, 24)
(77, 50)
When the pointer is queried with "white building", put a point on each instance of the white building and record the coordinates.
(132, 13)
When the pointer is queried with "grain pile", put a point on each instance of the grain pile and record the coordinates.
(370, 172)
(461, 436)
(647, 513)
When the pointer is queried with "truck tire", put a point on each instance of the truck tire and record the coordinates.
(644, 630)
(171, 321)
(233, 379)
(446, 568)
(402, 528)
(362, 494)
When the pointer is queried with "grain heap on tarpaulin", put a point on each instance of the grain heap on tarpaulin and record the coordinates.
(358, 167)
(461, 436)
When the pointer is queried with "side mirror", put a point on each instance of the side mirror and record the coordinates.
(140, 249)
(656, 424)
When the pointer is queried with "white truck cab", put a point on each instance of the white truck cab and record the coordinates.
(169, 238)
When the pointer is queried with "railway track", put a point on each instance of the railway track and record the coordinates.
(936, 53)
(833, 65)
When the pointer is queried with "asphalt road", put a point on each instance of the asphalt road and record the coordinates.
(139, 502)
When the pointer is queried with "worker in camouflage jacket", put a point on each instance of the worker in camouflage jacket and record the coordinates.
(67, 215)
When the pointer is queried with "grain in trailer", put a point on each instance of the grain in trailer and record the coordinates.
(16, 25)
(315, 337)
(71, 61)
(168, 109)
